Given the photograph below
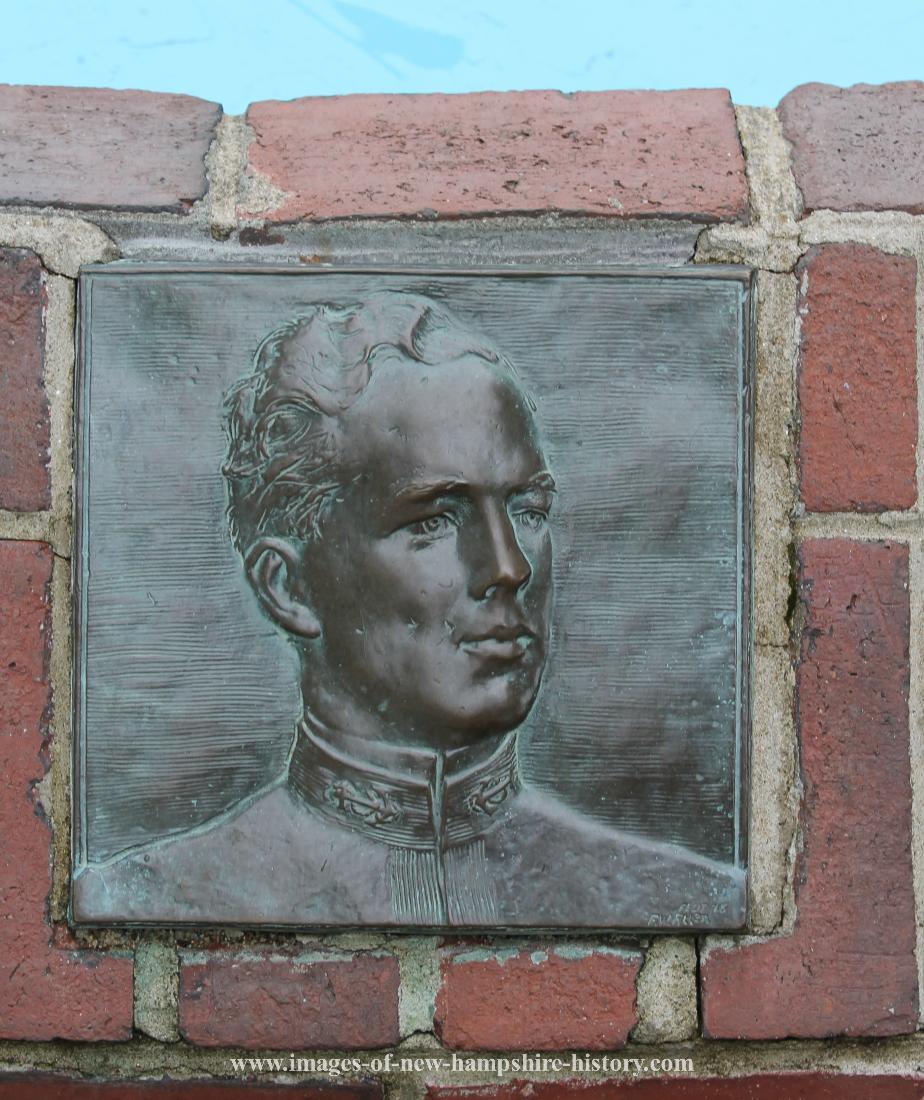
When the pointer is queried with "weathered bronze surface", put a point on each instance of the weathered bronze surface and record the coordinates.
(412, 599)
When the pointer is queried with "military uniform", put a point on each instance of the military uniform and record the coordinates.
(413, 839)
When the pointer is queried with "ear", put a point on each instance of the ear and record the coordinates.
(273, 568)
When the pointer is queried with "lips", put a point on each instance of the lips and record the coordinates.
(502, 642)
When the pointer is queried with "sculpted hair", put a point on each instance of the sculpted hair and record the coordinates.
(282, 465)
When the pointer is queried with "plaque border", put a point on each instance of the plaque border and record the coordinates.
(744, 275)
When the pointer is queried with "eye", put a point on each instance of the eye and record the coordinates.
(431, 526)
(532, 518)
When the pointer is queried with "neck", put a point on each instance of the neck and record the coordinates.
(406, 795)
(404, 756)
(342, 716)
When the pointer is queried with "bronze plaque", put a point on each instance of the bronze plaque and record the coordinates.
(413, 599)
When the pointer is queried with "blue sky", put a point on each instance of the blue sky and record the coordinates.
(278, 49)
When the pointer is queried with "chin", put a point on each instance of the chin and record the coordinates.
(500, 708)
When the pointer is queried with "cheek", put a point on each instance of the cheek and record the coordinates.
(539, 553)
(415, 585)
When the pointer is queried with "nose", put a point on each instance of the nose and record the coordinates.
(499, 561)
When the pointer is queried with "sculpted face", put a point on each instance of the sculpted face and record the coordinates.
(431, 576)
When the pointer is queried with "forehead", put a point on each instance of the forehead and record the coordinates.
(464, 419)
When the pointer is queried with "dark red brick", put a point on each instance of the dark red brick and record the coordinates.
(94, 147)
(24, 427)
(848, 968)
(776, 1086)
(543, 1000)
(857, 387)
(283, 1004)
(45, 993)
(857, 148)
(48, 1087)
(616, 154)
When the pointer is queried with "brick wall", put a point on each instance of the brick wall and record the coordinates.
(824, 196)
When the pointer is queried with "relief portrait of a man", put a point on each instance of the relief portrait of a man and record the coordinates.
(389, 499)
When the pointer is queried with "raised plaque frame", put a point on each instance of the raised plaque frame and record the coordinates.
(741, 278)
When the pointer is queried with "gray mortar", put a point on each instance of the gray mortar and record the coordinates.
(258, 950)
(192, 940)
(775, 788)
(31, 526)
(464, 243)
(62, 242)
(60, 772)
(59, 388)
(771, 244)
(774, 455)
(147, 1059)
(775, 201)
(666, 993)
(754, 246)
(225, 164)
(419, 963)
(889, 232)
(851, 525)
(157, 984)
(405, 1087)
(771, 241)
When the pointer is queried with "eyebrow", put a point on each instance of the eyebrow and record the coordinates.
(430, 490)
(543, 481)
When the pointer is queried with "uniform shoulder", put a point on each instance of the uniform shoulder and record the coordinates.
(248, 865)
(622, 872)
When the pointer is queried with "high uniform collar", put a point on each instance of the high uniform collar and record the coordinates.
(405, 797)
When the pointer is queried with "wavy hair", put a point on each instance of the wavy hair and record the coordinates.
(283, 463)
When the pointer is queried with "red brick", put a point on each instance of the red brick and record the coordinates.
(24, 429)
(539, 1000)
(848, 968)
(857, 148)
(616, 154)
(776, 1086)
(45, 993)
(94, 147)
(48, 1087)
(857, 387)
(283, 1004)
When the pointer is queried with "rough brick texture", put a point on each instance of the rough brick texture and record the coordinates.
(777, 1086)
(857, 148)
(616, 154)
(848, 968)
(539, 1000)
(93, 147)
(24, 429)
(48, 1087)
(282, 1004)
(857, 388)
(45, 992)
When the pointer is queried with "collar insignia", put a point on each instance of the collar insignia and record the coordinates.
(369, 803)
